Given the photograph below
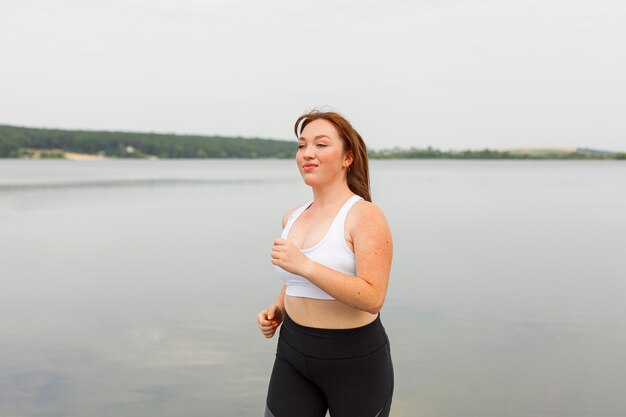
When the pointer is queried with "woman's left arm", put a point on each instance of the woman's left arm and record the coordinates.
(373, 250)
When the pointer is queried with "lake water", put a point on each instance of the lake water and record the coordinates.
(131, 288)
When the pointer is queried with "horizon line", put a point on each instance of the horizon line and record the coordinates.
(570, 148)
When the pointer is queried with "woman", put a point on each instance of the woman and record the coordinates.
(334, 256)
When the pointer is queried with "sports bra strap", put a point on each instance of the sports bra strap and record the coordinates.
(293, 217)
(339, 217)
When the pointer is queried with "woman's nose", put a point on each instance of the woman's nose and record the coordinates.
(309, 151)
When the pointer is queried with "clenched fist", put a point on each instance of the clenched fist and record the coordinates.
(269, 320)
(286, 255)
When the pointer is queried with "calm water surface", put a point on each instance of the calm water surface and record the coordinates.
(131, 288)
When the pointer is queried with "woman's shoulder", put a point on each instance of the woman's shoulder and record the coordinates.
(365, 213)
(366, 208)
(367, 228)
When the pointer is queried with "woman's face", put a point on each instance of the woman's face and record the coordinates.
(320, 155)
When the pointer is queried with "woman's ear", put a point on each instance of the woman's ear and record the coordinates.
(349, 158)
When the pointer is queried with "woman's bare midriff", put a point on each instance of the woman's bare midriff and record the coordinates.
(325, 314)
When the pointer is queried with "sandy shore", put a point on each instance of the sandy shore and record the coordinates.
(82, 156)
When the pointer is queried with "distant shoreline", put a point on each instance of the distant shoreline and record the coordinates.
(73, 156)
(35, 143)
(511, 154)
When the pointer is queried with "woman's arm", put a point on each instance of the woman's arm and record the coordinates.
(373, 250)
(280, 301)
(270, 318)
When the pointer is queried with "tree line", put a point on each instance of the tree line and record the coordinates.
(23, 142)
(16, 142)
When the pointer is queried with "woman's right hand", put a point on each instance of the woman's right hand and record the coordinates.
(269, 320)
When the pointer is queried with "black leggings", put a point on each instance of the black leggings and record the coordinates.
(346, 371)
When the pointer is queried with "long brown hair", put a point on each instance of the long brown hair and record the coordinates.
(358, 176)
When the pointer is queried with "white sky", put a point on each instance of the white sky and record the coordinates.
(450, 74)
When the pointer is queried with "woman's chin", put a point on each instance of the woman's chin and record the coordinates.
(310, 181)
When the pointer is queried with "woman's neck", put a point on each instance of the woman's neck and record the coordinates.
(331, 196)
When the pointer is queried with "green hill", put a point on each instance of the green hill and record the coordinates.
(19, 142)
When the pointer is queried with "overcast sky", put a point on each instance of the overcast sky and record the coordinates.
(445, 73)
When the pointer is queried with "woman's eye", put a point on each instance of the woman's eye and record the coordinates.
(300, 146)
(322, 145)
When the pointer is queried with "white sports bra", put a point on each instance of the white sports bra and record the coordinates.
(332, 251)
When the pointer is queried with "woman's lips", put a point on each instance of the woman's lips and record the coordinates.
(309, 167)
